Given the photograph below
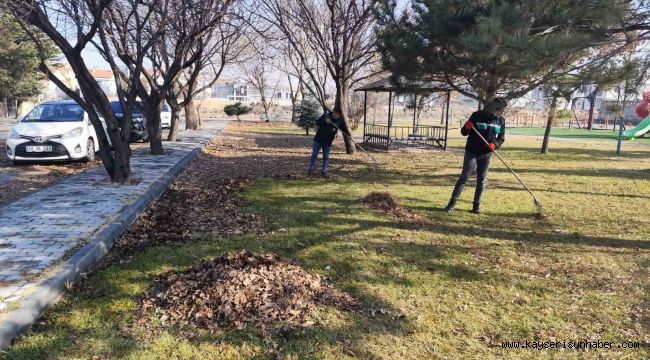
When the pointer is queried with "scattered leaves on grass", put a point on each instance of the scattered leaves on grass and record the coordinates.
(241, 289)
(386, 203)
(204, 198)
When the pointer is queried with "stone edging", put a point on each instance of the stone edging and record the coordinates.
(47, 293)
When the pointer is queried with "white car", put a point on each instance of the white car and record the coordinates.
(166, 117)
(53, 131)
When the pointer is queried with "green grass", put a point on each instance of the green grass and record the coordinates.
(463, 284)
(574, 134)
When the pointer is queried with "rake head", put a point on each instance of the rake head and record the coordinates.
(539, 210)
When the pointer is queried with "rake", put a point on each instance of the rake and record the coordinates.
(539, 210)
(380, 165)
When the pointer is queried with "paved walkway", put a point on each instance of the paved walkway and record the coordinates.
(46, 227)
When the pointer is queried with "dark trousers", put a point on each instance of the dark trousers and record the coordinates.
(478, 163)
(315, 150)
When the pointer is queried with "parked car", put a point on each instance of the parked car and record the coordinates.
(166, 117)
(138, 130)
(53, 131)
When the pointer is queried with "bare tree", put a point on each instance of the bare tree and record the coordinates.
(258, 71)
(71, 25)
(223, 45)
(125, 39)
(295, 72)
(188, 24)
(338, 32)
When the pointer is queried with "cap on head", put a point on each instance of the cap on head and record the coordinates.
(497, 104)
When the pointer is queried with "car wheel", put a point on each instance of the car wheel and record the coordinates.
(90, 151)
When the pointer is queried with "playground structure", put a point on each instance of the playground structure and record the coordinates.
(643, 111)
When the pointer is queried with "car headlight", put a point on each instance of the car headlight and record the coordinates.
(74, 133)
(13, 134)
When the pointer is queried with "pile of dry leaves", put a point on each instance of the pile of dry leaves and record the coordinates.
(241, 289)
(386, 203)
(195, 203)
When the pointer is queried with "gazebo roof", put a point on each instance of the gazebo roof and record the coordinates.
(387, 85)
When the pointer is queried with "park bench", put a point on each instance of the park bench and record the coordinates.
(270, 118)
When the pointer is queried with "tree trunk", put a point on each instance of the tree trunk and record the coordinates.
(191, 121)
(4, 109)
(266, 111)
(549, 125)
(19, 103)
(198, 114)
(173, 131)
(154, 130)
(116, 154)
(342, 103)
(307, 131)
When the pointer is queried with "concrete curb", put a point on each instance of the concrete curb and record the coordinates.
(85, 259)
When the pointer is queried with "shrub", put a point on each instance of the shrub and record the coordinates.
(237, 110)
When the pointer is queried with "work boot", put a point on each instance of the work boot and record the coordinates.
(476, 209)
(450, 207)
(310, 172)
(324, 175)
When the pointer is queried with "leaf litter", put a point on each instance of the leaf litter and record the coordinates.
(386, 203)
(241, 289)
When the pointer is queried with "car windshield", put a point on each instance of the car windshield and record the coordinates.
(55, 113)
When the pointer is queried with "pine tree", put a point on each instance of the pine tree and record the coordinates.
(20, 77)
(502, 48)
(309, 111)
(237, 109)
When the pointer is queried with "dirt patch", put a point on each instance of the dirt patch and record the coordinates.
(386, 203)
(241, 289)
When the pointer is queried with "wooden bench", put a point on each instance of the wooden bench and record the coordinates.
(270, 118)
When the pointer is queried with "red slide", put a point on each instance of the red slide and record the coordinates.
(643, 109)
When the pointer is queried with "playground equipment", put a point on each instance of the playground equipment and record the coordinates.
(643, 111)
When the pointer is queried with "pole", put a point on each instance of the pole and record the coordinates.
(365, 112)
(447, 120)
(390, 116)
(620, 125)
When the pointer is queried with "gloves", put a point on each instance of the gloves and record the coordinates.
(469, 125)
(492, 147)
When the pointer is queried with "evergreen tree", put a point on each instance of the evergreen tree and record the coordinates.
(237, 109)
(502, 48)
(20, 77)
(308, 111)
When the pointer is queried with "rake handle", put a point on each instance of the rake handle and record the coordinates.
(507, 166)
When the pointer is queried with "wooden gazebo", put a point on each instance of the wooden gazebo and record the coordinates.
(385, 134)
